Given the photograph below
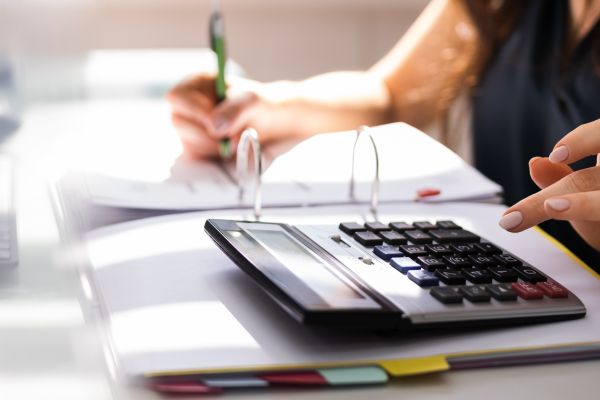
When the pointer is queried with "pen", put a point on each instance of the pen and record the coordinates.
(217, 44)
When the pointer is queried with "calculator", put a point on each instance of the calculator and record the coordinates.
(392, 276)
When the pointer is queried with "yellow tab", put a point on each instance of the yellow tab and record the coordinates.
(415, 366)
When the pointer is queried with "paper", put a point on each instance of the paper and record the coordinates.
(163, 278)
(316, 171)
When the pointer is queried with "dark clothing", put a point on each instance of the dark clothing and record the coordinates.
(533, 93)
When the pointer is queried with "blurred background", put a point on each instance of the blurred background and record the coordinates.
(54, 50)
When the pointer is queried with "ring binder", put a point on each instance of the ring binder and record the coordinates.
(375, 184)
(250, 136)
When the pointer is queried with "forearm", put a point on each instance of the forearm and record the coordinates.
(325, 103)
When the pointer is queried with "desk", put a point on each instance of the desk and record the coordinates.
(50, 350)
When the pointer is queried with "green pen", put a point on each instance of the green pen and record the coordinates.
(217, 44)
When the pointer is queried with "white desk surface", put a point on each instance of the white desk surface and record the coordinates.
(48, 351)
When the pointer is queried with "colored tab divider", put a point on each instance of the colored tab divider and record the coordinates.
(304, 378)
(368, 375)
(415, 366)
(186, 388)
(236, 382)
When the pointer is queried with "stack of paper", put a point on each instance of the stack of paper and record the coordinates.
(178, 311)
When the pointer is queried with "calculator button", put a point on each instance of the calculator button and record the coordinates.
(351, 227)
(446, 294)
(4, 254)
(401, 226)
(553, 289)
(453, 236)
(424, 225)
(458, 261)
(501, 292)
(447, 225)
(404, 264)
(413, 250)
(4, 245)
(392, 237)
(507, 259)
(477, 275)
(430, 263)
(475, 293)
(418, 237)
(481, 260)
(488, 248)
(503, 274)
(527, 291)
(376, 226)
(465, 248)
(439, 249)
(529, 274)
(450, 276)
(422, 278)
(367, 238)
(386, 251)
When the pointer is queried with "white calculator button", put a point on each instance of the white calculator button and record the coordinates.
(4, 254)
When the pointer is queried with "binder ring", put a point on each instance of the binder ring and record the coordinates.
(250, 137)
(375, 184)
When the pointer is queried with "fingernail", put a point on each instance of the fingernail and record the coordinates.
(221, 126)
(558, 204)
(511, 220)
(559, 154)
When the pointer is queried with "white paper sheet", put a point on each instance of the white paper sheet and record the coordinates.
(174, 302)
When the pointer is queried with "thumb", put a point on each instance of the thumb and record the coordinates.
(233, 115)
(544, 172)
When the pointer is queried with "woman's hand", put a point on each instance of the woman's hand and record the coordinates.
(201, 123)
(565, 194)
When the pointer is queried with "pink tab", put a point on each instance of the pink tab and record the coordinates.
(299, 378)
(185, 387)
(527, 291)
(553, 289)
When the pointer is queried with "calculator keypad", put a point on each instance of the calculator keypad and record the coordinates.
(453, 263)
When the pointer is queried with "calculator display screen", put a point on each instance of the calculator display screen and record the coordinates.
(305, 265)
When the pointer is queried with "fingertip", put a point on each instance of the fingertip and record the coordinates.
(511, 220)
(559, 155)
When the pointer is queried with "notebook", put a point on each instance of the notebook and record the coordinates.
(313, 172)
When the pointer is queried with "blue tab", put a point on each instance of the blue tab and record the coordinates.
(386, 251)
(404, 264)
(423, 278)
(369, 375)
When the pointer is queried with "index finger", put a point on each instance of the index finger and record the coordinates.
(530, 211)
(581, 142)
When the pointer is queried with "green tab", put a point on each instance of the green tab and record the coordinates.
(354, 375)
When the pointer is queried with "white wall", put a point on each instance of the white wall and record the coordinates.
(271, 39)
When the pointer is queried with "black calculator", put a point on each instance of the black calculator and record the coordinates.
(392, 276)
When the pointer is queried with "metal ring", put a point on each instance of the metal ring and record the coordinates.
(375, 184)
(250, 136)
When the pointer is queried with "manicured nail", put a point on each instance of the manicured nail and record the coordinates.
(221, 126)
(558, 204)
(511, 220)
(559, 154)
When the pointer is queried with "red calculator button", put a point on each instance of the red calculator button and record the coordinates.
(527, 291)
(553, 289)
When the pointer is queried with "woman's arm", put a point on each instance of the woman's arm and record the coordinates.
(413, 83)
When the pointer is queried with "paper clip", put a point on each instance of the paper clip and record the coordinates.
(375, 184)
(250, 136)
